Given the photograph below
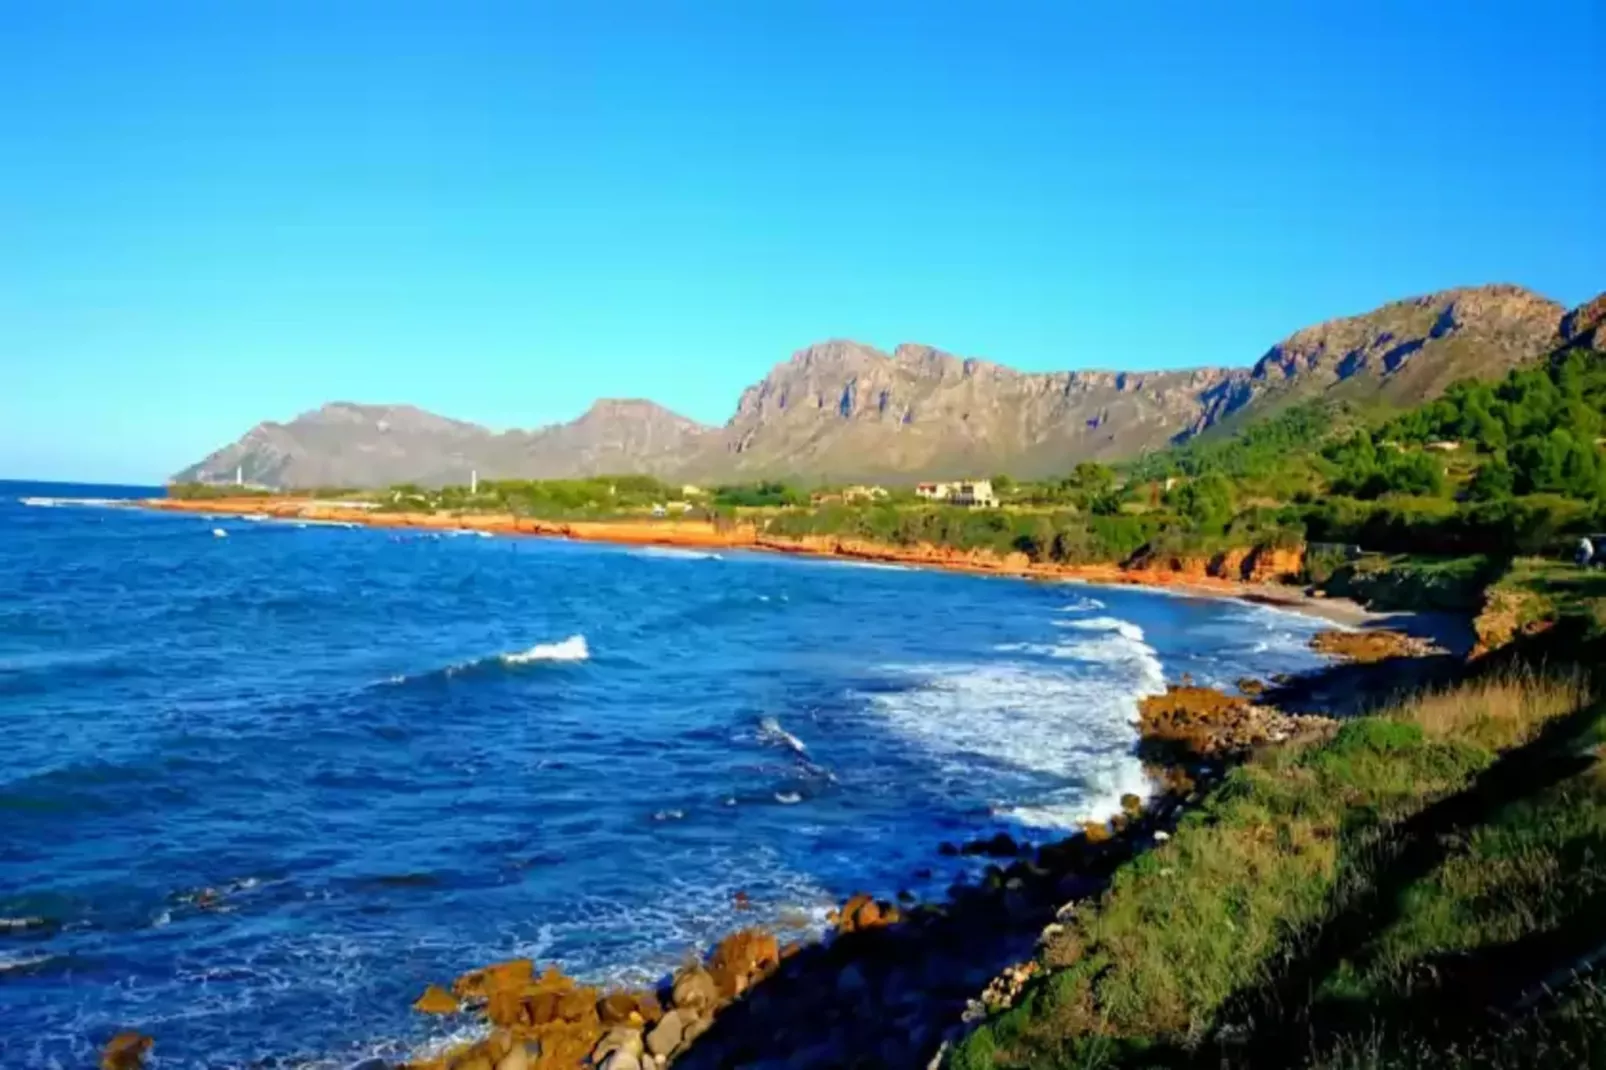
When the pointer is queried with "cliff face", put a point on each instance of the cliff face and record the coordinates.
(844, 410)
(848, 409)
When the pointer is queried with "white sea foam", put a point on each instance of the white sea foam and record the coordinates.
(675, 553)
(219, 533)
(571, 649)
(22, 961)
(1082, 605)
(1080, 726)
(770, 731)
(788, 798)
(57, 503)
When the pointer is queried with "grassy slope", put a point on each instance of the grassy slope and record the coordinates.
(1347, 903)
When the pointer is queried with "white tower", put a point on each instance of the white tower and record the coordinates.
(474, 482)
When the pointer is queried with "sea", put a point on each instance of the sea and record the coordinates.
(261, 781)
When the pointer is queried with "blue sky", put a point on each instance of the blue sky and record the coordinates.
(217, 213)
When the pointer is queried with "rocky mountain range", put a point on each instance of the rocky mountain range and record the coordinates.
(842, 410)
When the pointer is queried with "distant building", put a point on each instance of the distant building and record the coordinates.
(862, 493)
(977, 493)
(691, 490)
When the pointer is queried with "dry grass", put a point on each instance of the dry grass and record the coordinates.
(1497, 712)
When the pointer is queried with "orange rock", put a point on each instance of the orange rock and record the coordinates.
(1095, 832)
(125, 1051)
(637, 1007)
(436, 1000)
(513, 975)
(741, 958)
(859, 912)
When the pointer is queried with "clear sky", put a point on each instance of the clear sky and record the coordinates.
(217, 213)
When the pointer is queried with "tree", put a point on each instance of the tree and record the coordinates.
(1494, 480)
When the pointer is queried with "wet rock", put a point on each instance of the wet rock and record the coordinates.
(621, 1060)
(372, 1063)
(1001, 845)
(859, 912)
(666, 1036)
(436, 1000)
(1250, 686)
(694, 989)
(125, 1051)
(1132, 805)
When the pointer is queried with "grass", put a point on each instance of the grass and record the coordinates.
(1343, 901)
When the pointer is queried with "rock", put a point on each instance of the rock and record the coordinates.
(517, 1058)
(1132, 805)
(512, 975)
(619, 1038)
(859, 912)
(665, 1037)
(373, 1062)
(436, 1000)
(742, 958)
(1001, 845)
(694, 989)
(636, 1007)
(850, 982)
(125, 1051)
(1250, 686)
(621, 1060)
(694, 1028)
(1369, 646)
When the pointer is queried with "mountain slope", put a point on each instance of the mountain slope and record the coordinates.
(343, 444)
(844, 410)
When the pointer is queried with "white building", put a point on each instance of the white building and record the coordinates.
(967, 492)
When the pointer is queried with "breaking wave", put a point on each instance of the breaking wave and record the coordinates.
(1069, 732)
(571, 649)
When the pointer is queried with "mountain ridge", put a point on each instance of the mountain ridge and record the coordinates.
(841, 409)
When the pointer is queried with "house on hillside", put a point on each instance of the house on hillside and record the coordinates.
(861, 493)
(971, 493)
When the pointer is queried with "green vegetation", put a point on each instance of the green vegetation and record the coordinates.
(1352, 904)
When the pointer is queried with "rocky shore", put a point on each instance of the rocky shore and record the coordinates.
(890, 984)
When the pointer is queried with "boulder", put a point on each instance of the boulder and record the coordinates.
(621, 1060)
(513, 975)
(125, 1051)
(665, 1037)
(636, 1007)
(618, 1039)
(694, 989)
(740, 959)
(436, 1000)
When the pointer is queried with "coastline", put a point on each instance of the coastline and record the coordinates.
(1234, 575)
(933, 966)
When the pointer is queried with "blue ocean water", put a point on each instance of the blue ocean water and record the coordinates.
(260, 782)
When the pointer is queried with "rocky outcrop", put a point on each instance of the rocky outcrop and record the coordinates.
(1585, 326)
(844, 410)
(1188, 723)
(1369, 646)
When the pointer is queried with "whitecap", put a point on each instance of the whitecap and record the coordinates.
(675, 553)
(669, 815)
(1055, 723)
(219, 533)
(1082, 605)
(788, 798)
(22, 961)
(1105, 624)
(571, 649)
(770, 731)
